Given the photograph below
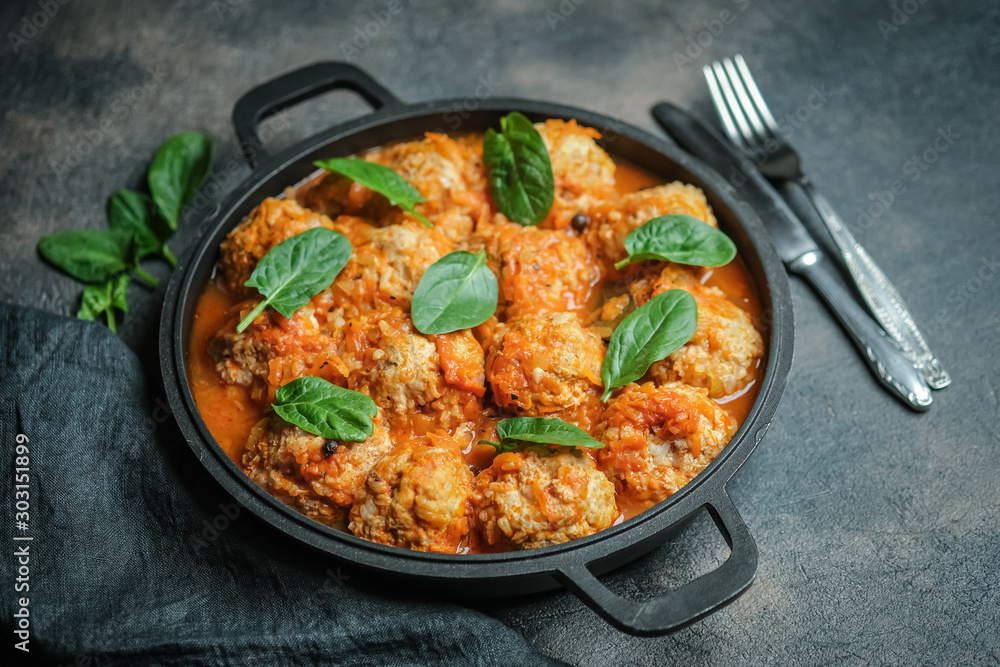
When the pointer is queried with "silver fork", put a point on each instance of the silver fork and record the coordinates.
(749, 124)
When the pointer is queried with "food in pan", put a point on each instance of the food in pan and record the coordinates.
(477, 343)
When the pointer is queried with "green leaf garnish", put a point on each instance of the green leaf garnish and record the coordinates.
(133, 213)
(91, 256)
(519, 170)
(516, 432)
(178, 171)
(456, 292)
(381, 179)
(651, 333)
(104, 298)
(296, 270)
(324, 409)
(678, 238)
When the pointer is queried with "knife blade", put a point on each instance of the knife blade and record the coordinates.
(799, 252)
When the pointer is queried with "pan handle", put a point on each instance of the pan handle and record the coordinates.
(297, 86)
(684, 605)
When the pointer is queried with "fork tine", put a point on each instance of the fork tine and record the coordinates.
(758, 99)
(720, 105)
(733, 103)
(745, 103)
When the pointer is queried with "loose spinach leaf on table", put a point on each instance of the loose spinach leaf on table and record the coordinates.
(515, 432)
(324, 409)
(104, 298)
(651, 333)
(381, 179)
(678, 238)
(90, 255)
(178, 171)
(134, 213)
(456, 292)
(296, 270)
(138, 226)
(519, 170)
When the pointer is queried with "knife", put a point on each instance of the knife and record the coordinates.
(800, 254)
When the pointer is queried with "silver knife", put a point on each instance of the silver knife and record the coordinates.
(801, 255)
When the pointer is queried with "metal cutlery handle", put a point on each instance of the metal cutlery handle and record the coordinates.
(880, 352)
(878, 292)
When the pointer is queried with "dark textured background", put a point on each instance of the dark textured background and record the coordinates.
(878, 528)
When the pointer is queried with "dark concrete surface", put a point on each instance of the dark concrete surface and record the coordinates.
(878, 528)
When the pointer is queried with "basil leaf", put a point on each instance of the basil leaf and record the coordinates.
(678, 238)
(133, 213)
(178, 171)
(296, 270)
(652, 332)
(519, 170)
(500, 447)
(119, 286)
(514, 432)
(324, 409)
(381, 179)
(104, 298)
(456, 292)
(90, 255)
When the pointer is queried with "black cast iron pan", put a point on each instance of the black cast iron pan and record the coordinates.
(576, 564)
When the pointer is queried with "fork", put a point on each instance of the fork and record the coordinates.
(749, 124)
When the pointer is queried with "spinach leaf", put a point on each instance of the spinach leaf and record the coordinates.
(514, 432)
(178, 171)
(132, 212)
(678, 238)
(381, 179)
(519, 170)
(90, 255)
(104, 298)
(296, 270)
(456, 292)
(652, 332)
(324, 409)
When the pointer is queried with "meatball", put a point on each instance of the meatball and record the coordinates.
(416, 498)
(462, 361)
(387, 269)
(241, 358)
(658, 438)
(407, 372)
(449, 175)
(723, 353)
(539, 271)
(535, 498)
(617, 218)
(245, 358)
(318, 477)
(546, 364)
(273, 221)
(584, 173)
